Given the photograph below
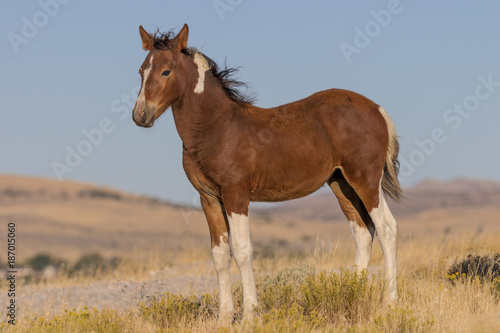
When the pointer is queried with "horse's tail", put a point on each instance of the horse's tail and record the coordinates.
(390, 182)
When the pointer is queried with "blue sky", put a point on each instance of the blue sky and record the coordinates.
(68, 67)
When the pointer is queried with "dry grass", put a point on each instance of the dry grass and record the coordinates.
(298, 274)
(288, 283)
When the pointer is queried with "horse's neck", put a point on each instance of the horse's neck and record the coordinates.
(199, 117)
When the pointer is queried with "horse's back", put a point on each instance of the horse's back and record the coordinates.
(310, 138)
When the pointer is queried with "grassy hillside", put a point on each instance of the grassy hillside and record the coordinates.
(123, 253)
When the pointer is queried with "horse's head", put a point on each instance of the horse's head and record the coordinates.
(163, 75)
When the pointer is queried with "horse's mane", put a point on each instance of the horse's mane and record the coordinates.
(225, 76)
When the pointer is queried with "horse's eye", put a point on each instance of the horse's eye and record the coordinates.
(165, 73)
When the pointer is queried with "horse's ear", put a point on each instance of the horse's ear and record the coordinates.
(180, 41)
(147, 39)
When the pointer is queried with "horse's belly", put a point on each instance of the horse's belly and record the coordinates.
(268, 195)
(292, 167)
(287, 186)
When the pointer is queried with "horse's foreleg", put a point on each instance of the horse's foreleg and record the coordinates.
(221, 253)
(237, 204)
(242, 249)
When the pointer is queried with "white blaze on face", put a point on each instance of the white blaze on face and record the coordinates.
(202, 65)
(145, 75)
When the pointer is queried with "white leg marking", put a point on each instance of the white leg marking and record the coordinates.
(239, 235)
(387, 231)
(363, 238)
(222, 261)
(202, 65)
(145, 75)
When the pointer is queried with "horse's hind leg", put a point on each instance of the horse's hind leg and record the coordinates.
(367, 186)
(361, 224)
(387, 232)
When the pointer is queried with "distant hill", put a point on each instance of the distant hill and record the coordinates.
(425, 196)
(67, 219)
(23, 189)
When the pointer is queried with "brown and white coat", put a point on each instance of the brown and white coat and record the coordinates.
(235, 153)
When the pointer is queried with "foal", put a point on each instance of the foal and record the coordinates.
(235, 152)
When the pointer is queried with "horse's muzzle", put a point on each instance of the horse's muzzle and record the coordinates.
(144, 116)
